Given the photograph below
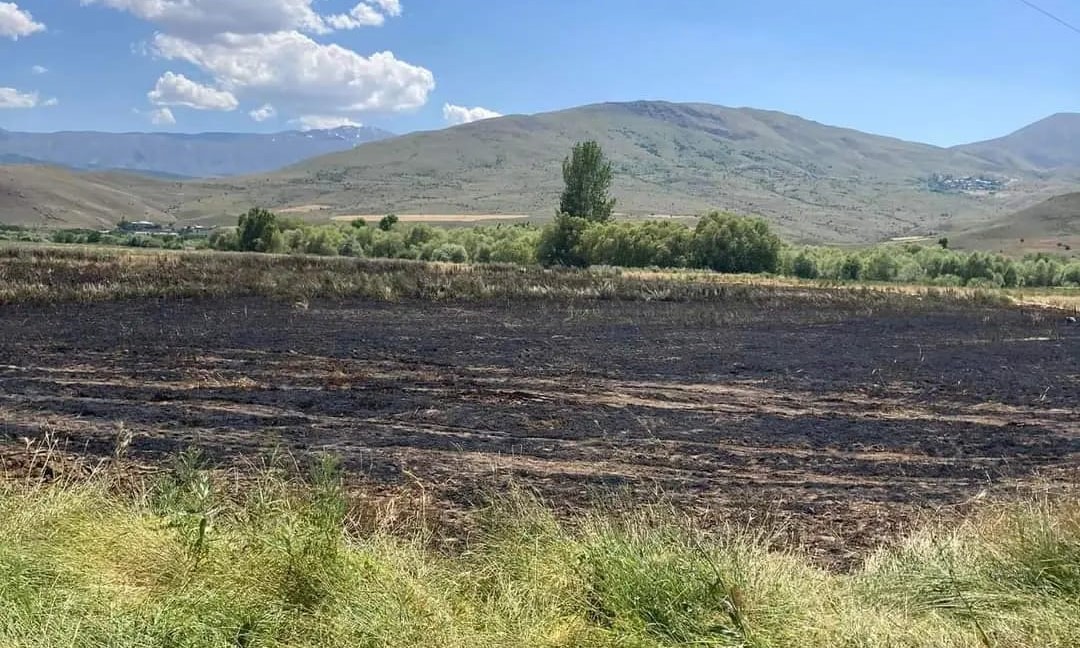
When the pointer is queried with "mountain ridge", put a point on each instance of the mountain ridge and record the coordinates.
(815, 182)
(1049, 144)
(192, 155)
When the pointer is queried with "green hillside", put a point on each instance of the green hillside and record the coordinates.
(816, 182)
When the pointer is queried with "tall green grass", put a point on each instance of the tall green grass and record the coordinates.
(282, 562)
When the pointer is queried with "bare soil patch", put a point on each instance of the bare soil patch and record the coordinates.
(843, 423)
(432, 218)
(302, 209)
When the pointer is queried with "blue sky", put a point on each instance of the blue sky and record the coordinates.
(933, 71)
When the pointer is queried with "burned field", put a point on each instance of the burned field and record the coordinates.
(840, 417)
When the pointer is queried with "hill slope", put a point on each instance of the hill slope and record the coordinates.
(1046, 227)
(198, 155)
(816, 182)
(36, 196)
(1049, 144)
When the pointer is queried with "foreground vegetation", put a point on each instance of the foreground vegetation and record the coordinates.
(631, 244)
(65, 274)
(287, 562)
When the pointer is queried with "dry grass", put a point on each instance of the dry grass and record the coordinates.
(55, 273)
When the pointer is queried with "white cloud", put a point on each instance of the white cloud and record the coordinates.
(289, 69)
(260, 51)
(178, 90)
(264, 113)
(15, 22)
(195, 18)
(39, 69)
(12, 98)
(362, 15)
(389, 7)
(462, 115)
(51, 102)
(162, 117)
(324, 122)
(198, 19)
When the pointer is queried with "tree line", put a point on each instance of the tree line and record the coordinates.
(585, 233)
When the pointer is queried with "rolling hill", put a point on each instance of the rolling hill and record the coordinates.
(52, 197)
(1051, 144)
(179, 155)
(1049, 226)
(817, 182)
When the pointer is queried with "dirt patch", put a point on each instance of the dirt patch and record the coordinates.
(841, 423)
(432, 218)
(301, 209)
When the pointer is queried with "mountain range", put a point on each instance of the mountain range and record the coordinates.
(201, 155)
(815, 182)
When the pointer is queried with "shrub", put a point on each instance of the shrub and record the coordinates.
(880, 266)
(65, 236)
(453, 252)
(804, 266)
(560, 242)
(728, 243)
(387, 223)
(851, 268)
(258, 231)
(225, 240)
(637, 245)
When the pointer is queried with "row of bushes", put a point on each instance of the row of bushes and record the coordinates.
(929, 265)
(719, 242)
(94, 237)
(491, 244)
(726, 243)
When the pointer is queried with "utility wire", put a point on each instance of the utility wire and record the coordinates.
(1051, 16)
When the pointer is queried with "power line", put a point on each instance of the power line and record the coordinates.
(1051, 16)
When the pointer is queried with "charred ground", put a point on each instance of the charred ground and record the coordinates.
(843, 419)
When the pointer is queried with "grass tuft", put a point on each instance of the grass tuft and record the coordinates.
(279, 562)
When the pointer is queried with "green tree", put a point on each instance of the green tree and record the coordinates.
(587, 175)
(453, 252)
(223, 239)
(729, 243)
(881, 265)
(387, 223)
(804, 266)
(560, 242)
(850, 268)
(637, 244)
(258, 231)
